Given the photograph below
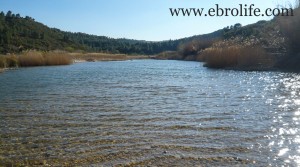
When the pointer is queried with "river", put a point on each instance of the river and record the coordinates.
(148, 113)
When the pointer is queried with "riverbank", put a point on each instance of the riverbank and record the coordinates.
(262, 46)
(54, 58)
(93, 57)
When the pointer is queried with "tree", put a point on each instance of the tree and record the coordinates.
(9, 14)
(237, 25)
(226, 29)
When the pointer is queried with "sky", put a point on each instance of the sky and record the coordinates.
(133, 19)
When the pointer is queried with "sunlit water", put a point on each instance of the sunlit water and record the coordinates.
(148, 112)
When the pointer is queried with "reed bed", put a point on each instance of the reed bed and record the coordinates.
(57, 59)
(35, 58)
(98, 56)
(169, 55)
(8, 61)
(250, 57)
(54, 58)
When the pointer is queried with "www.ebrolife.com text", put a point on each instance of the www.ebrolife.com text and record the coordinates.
(240, 10)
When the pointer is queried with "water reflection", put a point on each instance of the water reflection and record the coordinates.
(284, 139)
(148, 113)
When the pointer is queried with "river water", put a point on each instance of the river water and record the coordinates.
(148, 113)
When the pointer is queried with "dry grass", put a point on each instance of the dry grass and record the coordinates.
(35, 58)
(98, 56)
(168, 55)
(8, 61)
(247, 58)
(103, 57)
(220, 57)
(54, 58)
(32, 58)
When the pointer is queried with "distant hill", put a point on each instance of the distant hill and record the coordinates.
(24, 33)
(265, 45)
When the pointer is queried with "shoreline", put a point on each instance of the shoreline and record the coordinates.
(103, 57)
(82, 59)
(249, 69)
(100, 59)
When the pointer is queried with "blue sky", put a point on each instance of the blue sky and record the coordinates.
(133, 19)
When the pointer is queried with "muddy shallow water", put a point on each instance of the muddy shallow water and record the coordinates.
(148, 113)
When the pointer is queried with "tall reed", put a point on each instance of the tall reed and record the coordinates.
(35, 58)
(250, 57)
(52, 58)
(31, 58)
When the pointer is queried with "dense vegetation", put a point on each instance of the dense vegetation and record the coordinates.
(290, 27)
(260, 46)
(24, 33)
(18, 34)
(264, 45)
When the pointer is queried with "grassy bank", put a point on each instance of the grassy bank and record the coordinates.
(54, 58)
(265, 45)
(225, 55)
(34, 58)
(92, 57)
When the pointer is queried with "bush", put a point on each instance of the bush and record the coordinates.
(290, 27)
(193, 47)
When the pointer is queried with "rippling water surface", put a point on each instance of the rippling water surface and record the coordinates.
(148, 112)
